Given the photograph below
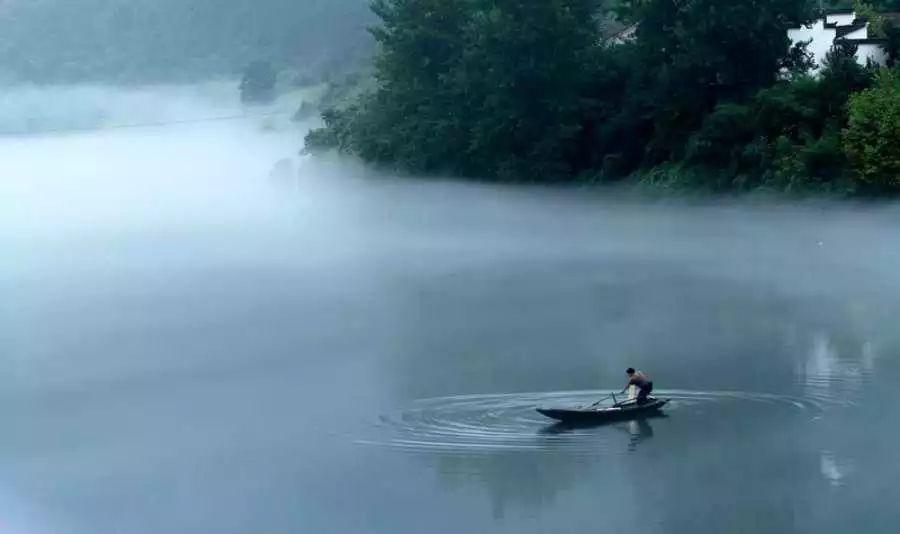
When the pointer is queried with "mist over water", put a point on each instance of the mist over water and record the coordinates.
(202, 331)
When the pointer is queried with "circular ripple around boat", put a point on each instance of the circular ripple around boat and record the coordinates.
(484, 423)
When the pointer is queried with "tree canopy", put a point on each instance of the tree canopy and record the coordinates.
(872, 137)
(709, 92)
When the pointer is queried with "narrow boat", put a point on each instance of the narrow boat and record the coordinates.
(617, 412)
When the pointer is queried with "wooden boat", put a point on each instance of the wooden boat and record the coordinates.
(597, 414)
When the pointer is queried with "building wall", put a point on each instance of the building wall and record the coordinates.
(862, 33)
(873, 52)
(822, 39)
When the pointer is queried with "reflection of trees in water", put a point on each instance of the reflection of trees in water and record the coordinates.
(639, 430)
(837, 355)
(835, 367)
(843, 350)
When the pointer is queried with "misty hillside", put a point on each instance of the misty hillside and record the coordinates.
(58, 41)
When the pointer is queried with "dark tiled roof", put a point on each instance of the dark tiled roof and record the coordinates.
(865, 41)
(858, 24)
(610, 27)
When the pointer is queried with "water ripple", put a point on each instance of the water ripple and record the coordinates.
(504, 422)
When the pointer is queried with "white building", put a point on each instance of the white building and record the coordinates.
(835, 26)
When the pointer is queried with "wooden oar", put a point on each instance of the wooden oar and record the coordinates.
(601, 400)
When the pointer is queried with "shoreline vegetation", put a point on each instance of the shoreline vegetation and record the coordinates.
(706, 98)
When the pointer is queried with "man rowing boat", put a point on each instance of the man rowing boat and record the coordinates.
(620, 411)
(640, 380)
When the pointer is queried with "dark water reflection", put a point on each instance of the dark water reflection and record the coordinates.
(366, 355)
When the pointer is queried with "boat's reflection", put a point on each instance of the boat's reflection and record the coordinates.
(639, 423)
(639, 429)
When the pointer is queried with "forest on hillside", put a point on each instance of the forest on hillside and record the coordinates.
(709, 95)
(151, 41)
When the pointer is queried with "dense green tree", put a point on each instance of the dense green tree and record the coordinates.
(412, 119)
(872, 137)
(523, 75)
(486, 88)
(708, 94)
(880, 6)
(787, 135)
(703, 52)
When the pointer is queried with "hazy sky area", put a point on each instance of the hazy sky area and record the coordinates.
(153, 41)
(195, 337)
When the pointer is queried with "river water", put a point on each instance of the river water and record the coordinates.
(202, 331)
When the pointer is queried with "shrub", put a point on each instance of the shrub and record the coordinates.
(872, 137)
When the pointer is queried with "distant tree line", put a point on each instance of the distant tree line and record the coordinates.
(65, 41)
(708, 95)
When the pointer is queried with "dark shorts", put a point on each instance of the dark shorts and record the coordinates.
(643, 392)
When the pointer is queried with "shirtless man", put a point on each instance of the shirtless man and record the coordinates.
(640, 380)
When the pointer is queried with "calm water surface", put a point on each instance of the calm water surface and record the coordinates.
(193, 342)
